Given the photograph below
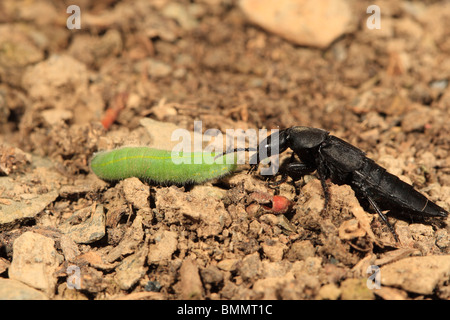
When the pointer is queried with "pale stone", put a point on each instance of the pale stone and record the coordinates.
(416, 274)
(309, 23)
(35, 261)
(16, 290)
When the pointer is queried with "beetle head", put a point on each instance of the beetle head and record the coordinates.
(274, 144)
(305, 137)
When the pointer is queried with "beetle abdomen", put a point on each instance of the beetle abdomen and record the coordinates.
(390, 191)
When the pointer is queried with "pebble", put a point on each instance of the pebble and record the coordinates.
(308, 23)
(181, 14)
(88, 231)
(416, 119)
(275, 269)
(165, 245)
(19, 49)
(130, 241)
(35, 261)
(274, 249)
(270, 288)
(352, 289)
(190, 282)
(420, 275)
(16, 290)
(154, 68)
(439, 84)
(250, 267)
(228, 264)
(329, 292)
(58, 75)
(69, 248)
(131, 269)
(209, 212)
(212, 275)
(17, 211)
(4, 265)
(442, 239)
(153, 286)
(136, 193)
(300, 250)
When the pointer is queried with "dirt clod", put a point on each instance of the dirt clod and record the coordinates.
(137, 73)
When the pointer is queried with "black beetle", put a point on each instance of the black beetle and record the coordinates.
(343, 163)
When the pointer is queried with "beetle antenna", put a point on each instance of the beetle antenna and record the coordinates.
(235, 150)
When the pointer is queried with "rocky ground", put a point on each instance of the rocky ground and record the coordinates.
(137, 70)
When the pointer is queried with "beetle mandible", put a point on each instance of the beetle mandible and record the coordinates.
(343, 163)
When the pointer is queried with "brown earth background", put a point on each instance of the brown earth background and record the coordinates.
(153, 66)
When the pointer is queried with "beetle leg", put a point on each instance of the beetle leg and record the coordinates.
(382, 215)
(297, 170)
(285, 172)
(274, 184)
(321, 170)
(293, 169)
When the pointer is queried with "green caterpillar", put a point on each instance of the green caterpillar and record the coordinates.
(159, 165)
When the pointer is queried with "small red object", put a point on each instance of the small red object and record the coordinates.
(113, 113)
(280, 204)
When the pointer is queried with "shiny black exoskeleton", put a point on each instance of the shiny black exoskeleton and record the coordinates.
(343, 163)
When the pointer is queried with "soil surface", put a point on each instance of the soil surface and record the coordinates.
(138, 70)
